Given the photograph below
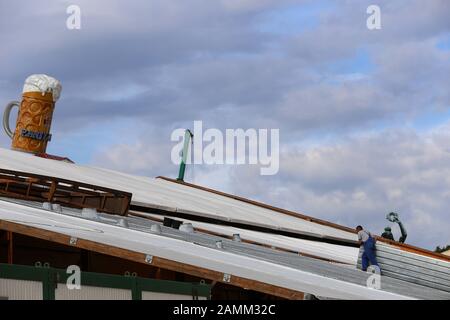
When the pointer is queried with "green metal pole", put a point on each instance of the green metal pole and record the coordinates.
(49, 284)
(136, 291)
(187, 137)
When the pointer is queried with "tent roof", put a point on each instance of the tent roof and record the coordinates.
(241, 260)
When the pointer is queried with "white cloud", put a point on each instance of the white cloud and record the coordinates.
(162, 64)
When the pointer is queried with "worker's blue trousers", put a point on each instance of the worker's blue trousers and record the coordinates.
(369, 254)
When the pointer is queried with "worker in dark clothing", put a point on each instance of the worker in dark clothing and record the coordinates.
(387, 234)
(367, 244)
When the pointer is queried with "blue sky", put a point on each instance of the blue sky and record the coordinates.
(294, 18)
(363, 115)
(444, 43)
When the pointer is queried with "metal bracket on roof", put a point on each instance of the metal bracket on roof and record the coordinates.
(219, 244)
(149, 258)
(226, 277)
(130, 274)
(73, 241)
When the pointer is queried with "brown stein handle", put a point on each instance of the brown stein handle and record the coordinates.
(6, 115)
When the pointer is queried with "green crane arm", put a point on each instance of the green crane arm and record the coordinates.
(393, 217)
(403, 231)
(187, 137)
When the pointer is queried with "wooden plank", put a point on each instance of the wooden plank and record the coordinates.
(157, 261)
(9, 238)
(52, 191)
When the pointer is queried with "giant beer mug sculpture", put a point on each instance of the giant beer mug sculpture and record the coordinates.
(32, 132)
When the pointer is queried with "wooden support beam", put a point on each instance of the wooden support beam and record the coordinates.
(9, 238)
(156, 261)
(33, 187)
(52, 191)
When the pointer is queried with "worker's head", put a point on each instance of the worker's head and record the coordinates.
(359, 228)
(387, 229)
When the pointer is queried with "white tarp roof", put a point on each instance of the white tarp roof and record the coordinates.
(190, 253)
(169, 195)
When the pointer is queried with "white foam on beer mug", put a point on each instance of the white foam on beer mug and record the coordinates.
(43, 83)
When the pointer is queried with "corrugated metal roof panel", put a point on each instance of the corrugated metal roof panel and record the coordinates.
(411, 267)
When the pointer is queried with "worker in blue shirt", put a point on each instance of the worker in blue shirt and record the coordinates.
(367, 244)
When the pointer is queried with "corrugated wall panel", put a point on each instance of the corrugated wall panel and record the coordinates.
(411, 267)
(412, 263)
(20, 289)
(433, 276)
(404, 277)
(432, 263)
(91, 293)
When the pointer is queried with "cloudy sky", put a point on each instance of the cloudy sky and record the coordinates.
(364, 115)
